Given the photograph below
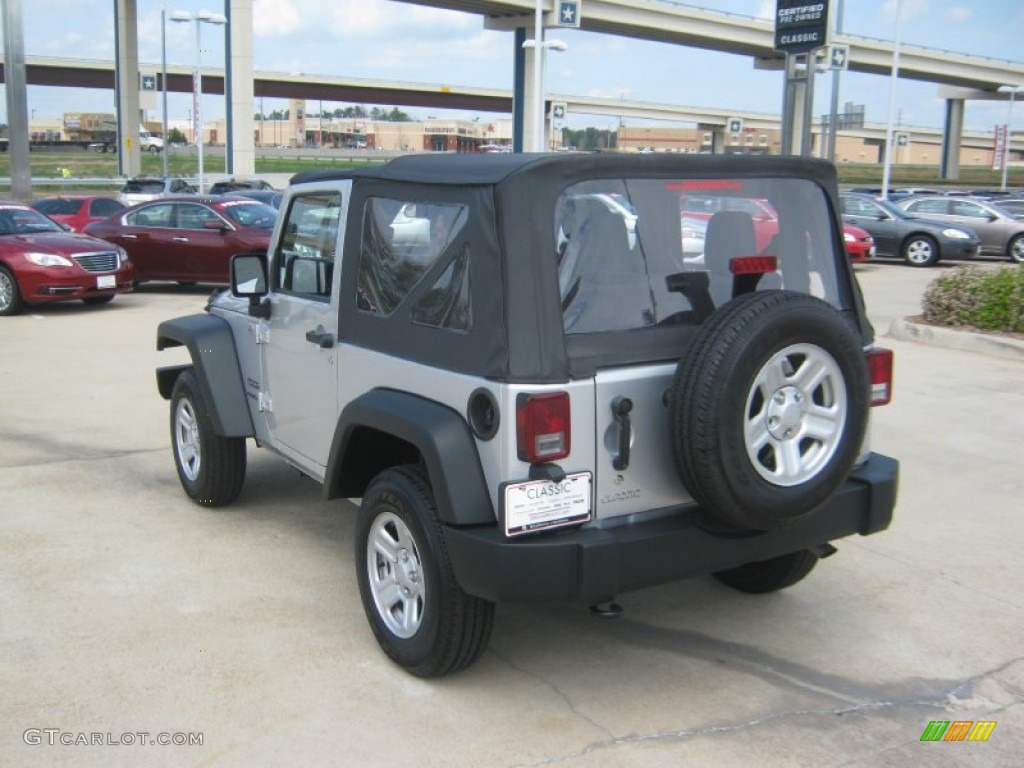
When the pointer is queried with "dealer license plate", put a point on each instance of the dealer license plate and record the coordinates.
(106, 281)
(539, 504)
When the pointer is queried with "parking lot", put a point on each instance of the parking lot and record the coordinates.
(127, 610)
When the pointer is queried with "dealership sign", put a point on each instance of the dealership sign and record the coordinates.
(800, 25)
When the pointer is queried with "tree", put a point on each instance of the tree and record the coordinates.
(174, 136)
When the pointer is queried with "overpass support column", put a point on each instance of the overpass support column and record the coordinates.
(798, 105)
(126, 86)
(17, 100)
(240, 150)
(952, 131)
(518, 89)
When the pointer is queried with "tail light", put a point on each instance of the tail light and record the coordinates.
(753, 265)
(880, 368)
(543, 427)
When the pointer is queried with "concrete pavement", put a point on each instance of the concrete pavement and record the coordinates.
(126, 609)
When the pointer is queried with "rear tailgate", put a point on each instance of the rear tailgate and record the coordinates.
(646, 479)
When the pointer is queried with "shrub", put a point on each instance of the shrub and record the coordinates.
(986, 299)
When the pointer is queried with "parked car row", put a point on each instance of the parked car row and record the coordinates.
(92, 248)
(927, 228)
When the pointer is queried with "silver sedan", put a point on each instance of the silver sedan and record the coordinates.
(1001, 234)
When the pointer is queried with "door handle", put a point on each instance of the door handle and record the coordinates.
(180, 239)
(320, 337)
(621, 406)
(130, 237)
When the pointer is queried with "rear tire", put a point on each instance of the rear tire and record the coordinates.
(211, 468)
(1015, 249)
(769, 575)
(419, 614)
(10, 296)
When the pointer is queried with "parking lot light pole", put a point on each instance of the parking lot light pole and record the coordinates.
(201, 17)
(539, 45)
(163, 80)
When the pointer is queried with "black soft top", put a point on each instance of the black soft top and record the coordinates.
(517, 331)
(486, 168)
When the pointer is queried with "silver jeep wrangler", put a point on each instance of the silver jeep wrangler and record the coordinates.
(547, 378)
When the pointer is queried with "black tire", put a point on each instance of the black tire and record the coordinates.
(420, 616)
(10, 295)
(1015, 249)
(769, 575)
(748, 369)
(93, 300)
(920, 251)
(211, 468)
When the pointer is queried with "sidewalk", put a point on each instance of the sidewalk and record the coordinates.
(991, 344)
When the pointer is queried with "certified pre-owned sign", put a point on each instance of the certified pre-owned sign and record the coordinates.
(800, 25)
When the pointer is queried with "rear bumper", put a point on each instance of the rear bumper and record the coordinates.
(591, 565)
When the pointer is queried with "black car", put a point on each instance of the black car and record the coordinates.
(269, 197)
(920, 243)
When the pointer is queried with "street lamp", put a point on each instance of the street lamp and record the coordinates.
(539, 45)
(163, 83)
(207, 17)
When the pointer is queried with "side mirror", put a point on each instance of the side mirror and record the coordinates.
(220, 226)
(249, 278)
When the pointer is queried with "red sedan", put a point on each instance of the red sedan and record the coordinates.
(41, 262)
(860, 245)
(188, 239)
(76, 211)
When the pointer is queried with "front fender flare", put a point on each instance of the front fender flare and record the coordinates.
(212, 347)
(439, 434)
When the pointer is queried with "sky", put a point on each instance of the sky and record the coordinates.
(392, 40)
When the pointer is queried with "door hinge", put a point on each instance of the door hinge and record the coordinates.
(261, 331)
(265, 403)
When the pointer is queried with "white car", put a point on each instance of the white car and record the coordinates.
(142, 189)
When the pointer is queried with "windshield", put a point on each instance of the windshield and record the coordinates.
(24, 221)
(143, 187)
(892, 209)
(249, 214)
(57, 206)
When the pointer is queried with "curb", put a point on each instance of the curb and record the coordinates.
(991, 345)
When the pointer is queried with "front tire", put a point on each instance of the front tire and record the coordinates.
(10, 296)
(769, 575)
(920, 251)
(419, 614)
(211, 468)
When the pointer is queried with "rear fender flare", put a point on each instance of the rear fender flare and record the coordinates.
(407, 425)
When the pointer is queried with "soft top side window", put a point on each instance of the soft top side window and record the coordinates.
(402, 241)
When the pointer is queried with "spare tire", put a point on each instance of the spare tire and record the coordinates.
(769, 408)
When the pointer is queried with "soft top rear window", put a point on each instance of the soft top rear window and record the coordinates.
(618, 241)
